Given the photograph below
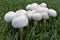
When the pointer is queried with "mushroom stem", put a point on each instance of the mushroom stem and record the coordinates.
(28, 25)
(44, 21)
(35, 24)
(21, 33)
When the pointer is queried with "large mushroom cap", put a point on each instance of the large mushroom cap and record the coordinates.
(37, 16)
(20, 21)
(9, 16)
(21, 12)
(52, 13)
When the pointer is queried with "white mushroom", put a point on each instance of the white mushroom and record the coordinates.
(21, 12)
(41, 9)
(9, 16)
(20, 21)
(43, 5)
(52, 13)
(37, 16)
(45, 15)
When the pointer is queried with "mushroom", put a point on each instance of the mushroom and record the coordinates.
(41, 9)
(52, 13)
(43, 5)
(9, 16)
(45, 16)
(36, 17)
(29, 15)
(20, 21)
(21, 12)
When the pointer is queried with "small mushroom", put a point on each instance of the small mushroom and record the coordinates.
(36, 17)
(20, 21)
(43, 5)
(9, 16)
(52, 13)
(45, 16)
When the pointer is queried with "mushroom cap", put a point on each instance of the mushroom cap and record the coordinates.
(37, 16)
(43, 5)
(34, 6)
(28, 7)
(45, 15)
(29, 14)
(9, 16)
(20, 21)
(21, 12)
(52, 13)
(41, 9)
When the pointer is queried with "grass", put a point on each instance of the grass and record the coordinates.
(49, 30)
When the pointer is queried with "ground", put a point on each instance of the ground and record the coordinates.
(43, 30)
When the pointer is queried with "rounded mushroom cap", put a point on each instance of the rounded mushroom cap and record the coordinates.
(43, 5)
(34, 6)
(29, 14)
(52, 13)
(9, 16)
(28, 7)
(20, 21)
(21, 12)
(37, 16)
(45, 15)
(41, 9)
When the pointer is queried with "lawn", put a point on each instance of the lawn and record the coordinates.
(49, 30)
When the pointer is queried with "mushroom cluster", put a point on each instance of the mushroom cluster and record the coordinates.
(39, 11)
(33, 11)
